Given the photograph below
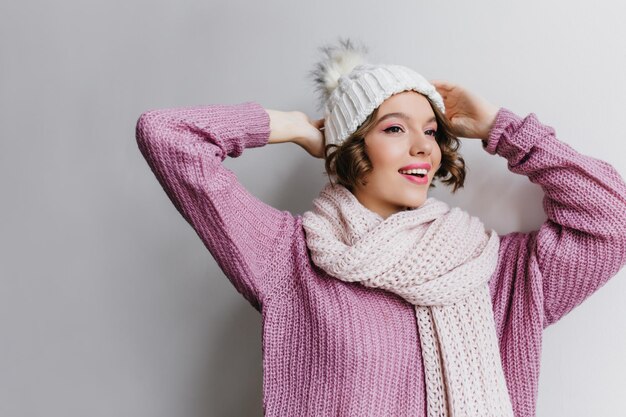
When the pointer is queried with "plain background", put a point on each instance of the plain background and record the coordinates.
(110, 305)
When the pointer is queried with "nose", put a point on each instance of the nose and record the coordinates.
(421, 144)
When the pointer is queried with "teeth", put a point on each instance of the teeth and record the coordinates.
(414, 171)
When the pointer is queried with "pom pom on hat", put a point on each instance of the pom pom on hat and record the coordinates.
(338, 60)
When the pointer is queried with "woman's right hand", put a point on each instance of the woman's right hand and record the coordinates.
(297, 127)
(470, 115)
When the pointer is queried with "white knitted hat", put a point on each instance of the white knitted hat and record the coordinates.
(350, 89)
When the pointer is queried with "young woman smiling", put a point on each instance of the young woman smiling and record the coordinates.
(381, 300)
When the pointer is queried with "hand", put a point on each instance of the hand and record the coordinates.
(312, 138)
(471, 116)
(296, 127)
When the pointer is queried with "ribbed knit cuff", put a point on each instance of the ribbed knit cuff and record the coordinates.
(257, 124)
(513, 137)
(506, 123)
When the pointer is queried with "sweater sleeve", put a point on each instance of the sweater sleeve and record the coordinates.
(184, 148)
(583, 241)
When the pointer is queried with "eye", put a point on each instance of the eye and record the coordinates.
(393, 127)
(434, 132)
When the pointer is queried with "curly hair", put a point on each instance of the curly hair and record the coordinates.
(349, 161)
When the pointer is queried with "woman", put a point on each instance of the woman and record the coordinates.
(382, 301)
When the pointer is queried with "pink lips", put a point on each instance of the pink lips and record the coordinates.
(416, 180)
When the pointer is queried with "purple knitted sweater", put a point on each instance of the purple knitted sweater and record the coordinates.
(333, 348)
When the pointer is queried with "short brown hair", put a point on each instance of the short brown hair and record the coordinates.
(349, 161)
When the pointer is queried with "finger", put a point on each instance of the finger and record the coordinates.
(440, 81)
(442, 84)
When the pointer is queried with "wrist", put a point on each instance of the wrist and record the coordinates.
(277, 126)
(490, 120)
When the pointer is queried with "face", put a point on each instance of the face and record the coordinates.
(394, 143)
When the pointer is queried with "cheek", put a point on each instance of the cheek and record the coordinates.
(383, 155)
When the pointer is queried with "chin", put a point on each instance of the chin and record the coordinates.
(412, 203)
(416, 204)
(415, 198)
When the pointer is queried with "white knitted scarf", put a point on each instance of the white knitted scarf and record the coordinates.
(438, 259)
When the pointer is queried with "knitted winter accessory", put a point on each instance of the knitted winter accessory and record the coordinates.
(438, 259)
(350, 89)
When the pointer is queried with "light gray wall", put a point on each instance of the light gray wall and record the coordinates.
(109, 303)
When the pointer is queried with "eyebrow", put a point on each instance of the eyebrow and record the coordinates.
(402, 116)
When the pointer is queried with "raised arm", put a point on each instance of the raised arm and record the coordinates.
(185, 148)
(582, 243)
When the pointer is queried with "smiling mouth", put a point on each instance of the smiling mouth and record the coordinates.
(418, 172)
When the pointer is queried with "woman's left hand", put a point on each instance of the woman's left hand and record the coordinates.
(470, 115)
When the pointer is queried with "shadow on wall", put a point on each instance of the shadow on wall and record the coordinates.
(299, 189)
(503, 200)
(220, 389)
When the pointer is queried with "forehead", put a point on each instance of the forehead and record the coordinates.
(413, 104)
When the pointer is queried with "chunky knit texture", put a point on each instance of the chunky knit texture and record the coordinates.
(439, 259)
(338, 348)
